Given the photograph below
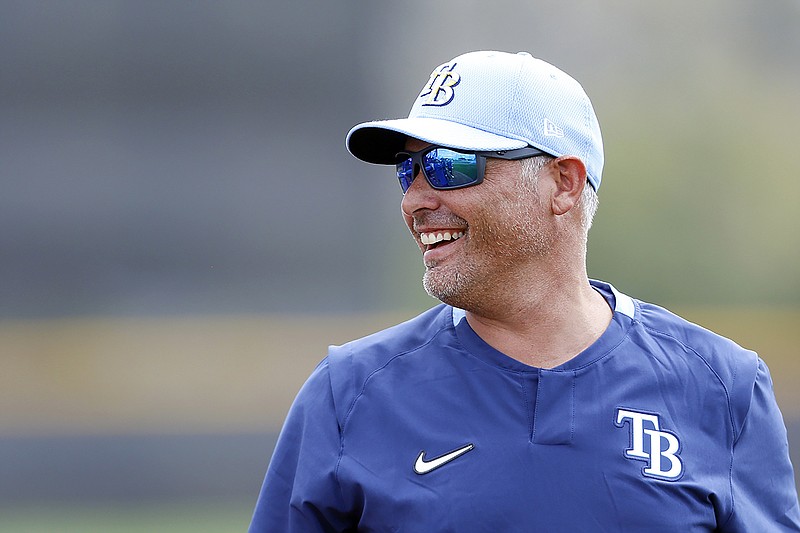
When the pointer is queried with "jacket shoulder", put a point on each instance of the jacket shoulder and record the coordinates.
(733, 366)
(351, 365)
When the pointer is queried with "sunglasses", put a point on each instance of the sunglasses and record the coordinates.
(445, 168)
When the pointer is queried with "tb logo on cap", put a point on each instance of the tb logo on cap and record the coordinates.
(439, 90)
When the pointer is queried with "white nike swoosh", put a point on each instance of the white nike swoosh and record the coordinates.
(423, 467)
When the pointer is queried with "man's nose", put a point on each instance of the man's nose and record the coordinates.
(420, 195)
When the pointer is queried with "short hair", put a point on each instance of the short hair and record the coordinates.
(588, 202)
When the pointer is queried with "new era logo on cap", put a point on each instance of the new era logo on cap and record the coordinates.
(551, 130)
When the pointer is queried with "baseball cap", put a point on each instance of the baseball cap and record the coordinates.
(492, 101)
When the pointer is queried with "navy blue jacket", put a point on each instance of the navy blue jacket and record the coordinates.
(659, 426)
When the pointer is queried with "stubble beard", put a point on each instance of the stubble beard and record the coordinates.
(449, 283)
(492, 258)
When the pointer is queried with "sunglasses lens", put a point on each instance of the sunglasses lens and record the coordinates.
(448, 169)
(444, 168)
(405, 173)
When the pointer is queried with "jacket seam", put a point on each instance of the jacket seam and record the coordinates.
(358, 396)
(728, 401)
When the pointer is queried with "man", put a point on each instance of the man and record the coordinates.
(531, 399)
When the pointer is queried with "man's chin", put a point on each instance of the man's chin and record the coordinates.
(448, 287)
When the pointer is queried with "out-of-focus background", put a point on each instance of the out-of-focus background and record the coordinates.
(182, 232)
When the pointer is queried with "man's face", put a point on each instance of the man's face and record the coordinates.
(490, 233)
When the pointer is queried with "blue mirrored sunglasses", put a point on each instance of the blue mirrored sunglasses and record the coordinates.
(445, 168)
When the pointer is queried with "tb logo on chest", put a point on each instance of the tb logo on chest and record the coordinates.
(650, 443)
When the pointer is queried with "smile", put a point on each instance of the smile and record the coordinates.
(432, 238)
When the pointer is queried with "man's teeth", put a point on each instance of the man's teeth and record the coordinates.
(433, 238)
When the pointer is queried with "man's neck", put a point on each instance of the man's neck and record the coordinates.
(550, 325)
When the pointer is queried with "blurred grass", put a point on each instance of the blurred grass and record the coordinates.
(214, 517)
(163, 375)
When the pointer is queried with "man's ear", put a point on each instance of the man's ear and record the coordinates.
(570, 179)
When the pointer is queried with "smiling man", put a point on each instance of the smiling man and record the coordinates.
(531, 398)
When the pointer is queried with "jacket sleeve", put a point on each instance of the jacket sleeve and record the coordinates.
(301, 491)
(762, 480)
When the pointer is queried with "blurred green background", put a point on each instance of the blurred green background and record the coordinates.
(183, 233)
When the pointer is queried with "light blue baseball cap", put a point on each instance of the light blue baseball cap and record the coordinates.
(492, 101)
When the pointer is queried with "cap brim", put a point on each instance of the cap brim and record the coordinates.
(379, 141)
